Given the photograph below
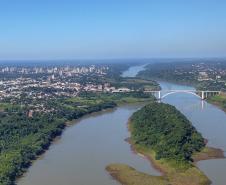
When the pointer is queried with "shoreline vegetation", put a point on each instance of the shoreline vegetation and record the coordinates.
(25, 145)
(175, 170)
(219, 101)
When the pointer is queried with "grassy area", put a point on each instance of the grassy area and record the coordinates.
(128, 100)
(8, 106)
(208, 153)
(219, 100)
(118, 98)
(129, 176)
(173, 173)
(176, 173)
(136, 84)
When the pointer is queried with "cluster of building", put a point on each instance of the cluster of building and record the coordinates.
(210, 72)
(51, 82)
(44, 89)
(57, 70)
(205, 71)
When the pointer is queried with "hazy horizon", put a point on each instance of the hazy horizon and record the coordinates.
(130, 61)
(98, 29)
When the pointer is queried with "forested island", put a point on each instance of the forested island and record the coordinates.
(163, 134)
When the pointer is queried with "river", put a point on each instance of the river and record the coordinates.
(80, 155)
(210, 121)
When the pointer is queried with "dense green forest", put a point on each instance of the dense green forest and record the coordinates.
(23, 138)
(166, 131)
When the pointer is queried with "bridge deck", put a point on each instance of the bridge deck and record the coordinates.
(202, 94)
(181, 91)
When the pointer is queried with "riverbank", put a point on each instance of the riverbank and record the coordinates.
(208, 153)
(219, 101)
(52, 137)
(127, 175)
(118, 101)
(172, 172)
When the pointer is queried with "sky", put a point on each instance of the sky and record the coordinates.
(98, 29)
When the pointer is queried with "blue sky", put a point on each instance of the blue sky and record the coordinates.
(75, 29)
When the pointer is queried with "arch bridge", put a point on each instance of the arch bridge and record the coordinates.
(201, 94)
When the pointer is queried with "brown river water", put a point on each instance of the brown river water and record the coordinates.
(80, 155)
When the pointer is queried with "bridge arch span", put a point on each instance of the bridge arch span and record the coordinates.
(187, 92)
